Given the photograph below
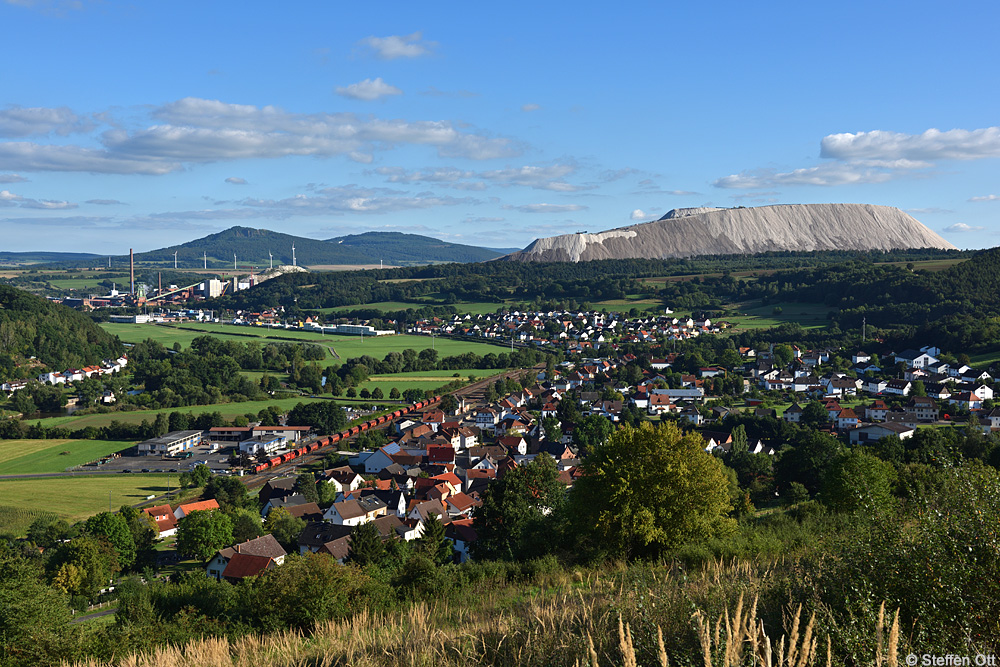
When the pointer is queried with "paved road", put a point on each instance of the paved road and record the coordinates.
(96, 614)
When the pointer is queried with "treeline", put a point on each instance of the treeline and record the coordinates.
(499, 281)
(59, 337)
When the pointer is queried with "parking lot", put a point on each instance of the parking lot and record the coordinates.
(217, 460)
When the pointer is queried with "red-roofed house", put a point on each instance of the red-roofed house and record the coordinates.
(241, 566)
(201, 506)
(166, 523)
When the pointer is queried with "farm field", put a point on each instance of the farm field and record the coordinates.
(73, 498)
(20, 457)
(807, 315)
(227, 410)
(346, 346)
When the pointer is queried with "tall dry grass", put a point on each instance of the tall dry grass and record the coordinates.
(605, 618)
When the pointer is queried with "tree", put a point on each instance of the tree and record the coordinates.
(513, 504)
(200, 475)
(859, 481)
(284, 526)
(806, 461)
(917, 388)
(449, 404)
(230, 492)
(202, 533)
(433, 543)
(366, 545)
(246, 524)
(591, 431)
(552, 428)
(394, 394)
(650, 489)
(783, 355)
(306, 485)
(739, 436)
(83, 566)
(114, 528)
(377, 394)
(34, 617)
(814, 414)
(143, 528)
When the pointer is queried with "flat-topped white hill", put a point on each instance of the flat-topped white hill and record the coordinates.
(740, 231)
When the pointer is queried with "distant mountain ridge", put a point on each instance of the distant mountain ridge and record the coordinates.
(252, 247)
(738, 231)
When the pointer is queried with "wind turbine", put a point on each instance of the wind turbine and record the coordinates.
(175, 260)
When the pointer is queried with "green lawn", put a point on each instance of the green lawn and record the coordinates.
(984, 360)
(74, 498)
(19, 457)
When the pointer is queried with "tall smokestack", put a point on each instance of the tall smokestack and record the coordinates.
(159, 283)
(131, 270)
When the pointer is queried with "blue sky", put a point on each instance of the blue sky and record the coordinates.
(147, 124)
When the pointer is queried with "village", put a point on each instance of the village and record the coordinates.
(437, 463)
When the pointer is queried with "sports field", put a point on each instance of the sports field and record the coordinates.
(21, 457)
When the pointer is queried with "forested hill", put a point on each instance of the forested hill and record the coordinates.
(58, 336)
(257, 246)
(399, 248)
(957, 308)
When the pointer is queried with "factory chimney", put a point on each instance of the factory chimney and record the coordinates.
(131, 271)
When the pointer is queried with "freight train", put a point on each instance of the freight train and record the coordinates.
(328, 440)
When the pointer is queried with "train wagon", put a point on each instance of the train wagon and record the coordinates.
(275, 461)
(333, 439)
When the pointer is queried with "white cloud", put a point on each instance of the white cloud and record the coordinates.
(546, 208)
(639, 214)
(530, 107)
(985, 198)
(353, 199)
(549, 177)
(26, 156)
(930, 145)
(105, 202)
(399, 46)
(830, 173)
(16, 121)
(236, 180)
(195, 130)
(875, 157)
(12, 178)
(368, 90)
(8, 198)
(959, 227)
(483, 219)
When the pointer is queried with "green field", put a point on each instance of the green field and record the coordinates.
(345, 346)
(74, 498)
(984, 360)
(228, 411)
(20, 457)
(808, 315)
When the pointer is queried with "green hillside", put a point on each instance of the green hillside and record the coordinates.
(60, 337)
(252, 247)
(399, 248)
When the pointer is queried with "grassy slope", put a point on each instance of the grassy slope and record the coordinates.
(19, 457)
